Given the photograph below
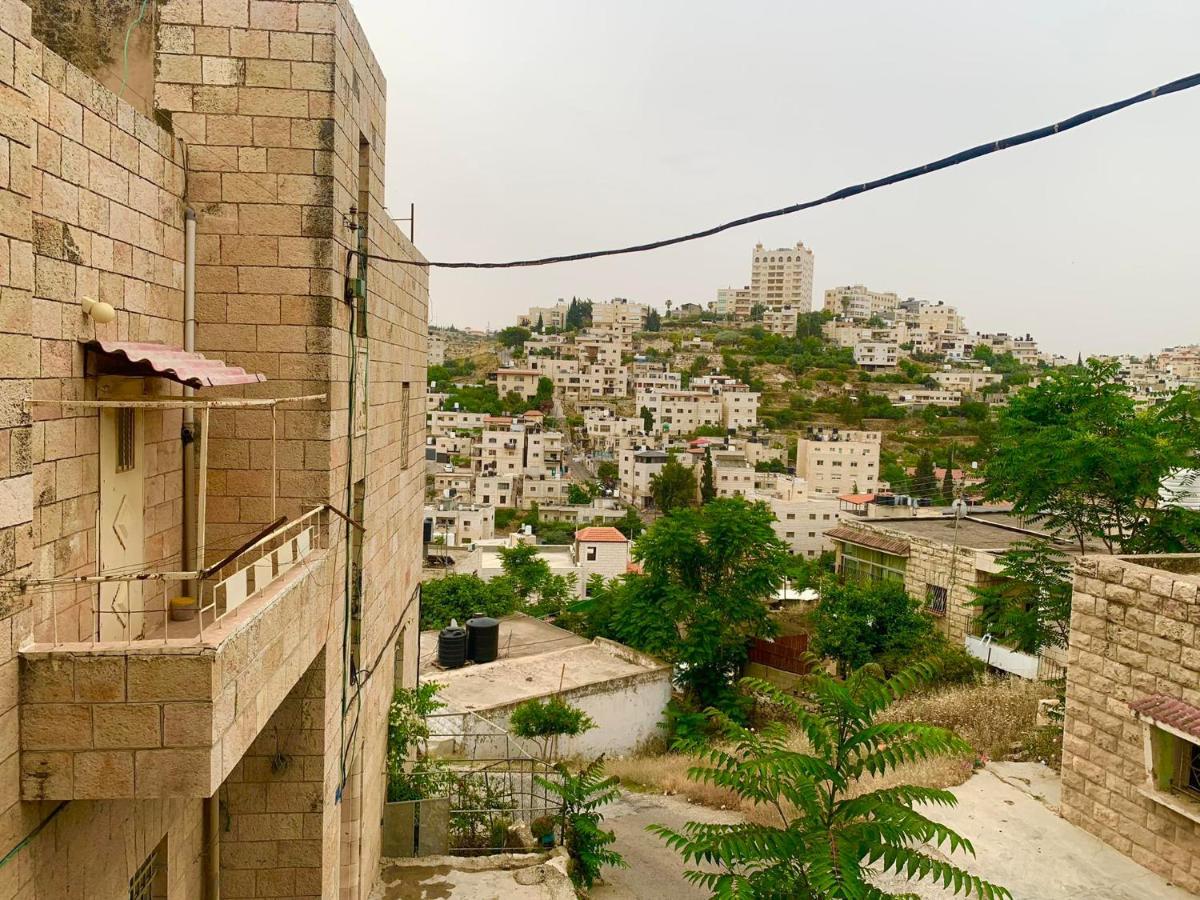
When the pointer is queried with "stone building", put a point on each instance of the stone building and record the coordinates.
(169, 289)
(1131, 744)
(940, 560)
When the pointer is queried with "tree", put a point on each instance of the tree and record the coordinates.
(829, 838)
(545, 722)
(856, 624)
(579, 494)
(924, 482)
(756, 312)
(582, 794)
(948, 479)
(647, 420)
(513, 336)
(775, 466)
(544, 398)
(1030, 604)
(708, 487)
(541, 324)
(460, 596)
(1077, 453)
(630, 524)
(702, 599)
(528, 577)
(609, 474)
(674, 486)
(653, 321)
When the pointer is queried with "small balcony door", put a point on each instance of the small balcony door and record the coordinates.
(122, 509)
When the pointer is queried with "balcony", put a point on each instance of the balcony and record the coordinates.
(167, 710)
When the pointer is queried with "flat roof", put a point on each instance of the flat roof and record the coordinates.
(979, 531)
(535, 659)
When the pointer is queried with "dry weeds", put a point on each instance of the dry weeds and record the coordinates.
(994, 717)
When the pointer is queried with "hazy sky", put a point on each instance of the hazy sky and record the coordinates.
(544, 126)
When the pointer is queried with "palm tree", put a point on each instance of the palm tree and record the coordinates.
(830, 841)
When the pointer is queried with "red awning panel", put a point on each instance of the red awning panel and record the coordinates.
(164, 361)
(1169, 711)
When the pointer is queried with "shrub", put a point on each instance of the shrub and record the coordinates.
(547, 721)
(582, 794)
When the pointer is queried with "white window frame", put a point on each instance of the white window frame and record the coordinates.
(1170, 797)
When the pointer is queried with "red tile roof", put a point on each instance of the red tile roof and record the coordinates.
(601, 534)
(857, 498)
(164, 361)
(1179, 715)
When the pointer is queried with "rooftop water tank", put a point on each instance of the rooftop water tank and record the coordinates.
(452, 647)
(483, 639)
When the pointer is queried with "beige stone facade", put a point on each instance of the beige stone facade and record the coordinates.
(276, 125)
(1134, 624)
(839, 462)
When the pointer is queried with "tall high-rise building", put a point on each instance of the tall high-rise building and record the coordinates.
(782, 277)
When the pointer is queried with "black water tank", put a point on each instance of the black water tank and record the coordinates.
(452, 647)
(483, 639)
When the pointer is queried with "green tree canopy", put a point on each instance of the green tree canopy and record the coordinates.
(1029, 604)
(462, 595)
(702, 598)
(674, 487)
(708, 486)
(513, 336)
(856, 624)
(1076, 452)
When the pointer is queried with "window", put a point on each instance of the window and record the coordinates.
(1172, 758)
(405, 417)
(591, 554)
(149, 882)
(936, 597)
(126, 437)
(865, 565)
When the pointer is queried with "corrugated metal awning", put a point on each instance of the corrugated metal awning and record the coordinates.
(149, 359)
(1169, 711)
(871, 539)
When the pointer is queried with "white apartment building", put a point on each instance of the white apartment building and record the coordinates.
(859, 302)
(457, 525)
(605, 429)
(969, 381)
(876, 354)
(802, 519)
(637, 466)
(543, 488)
(781, 320)
(937, 318)
(437, 350)
(922, 397)
(644, 382)
(523, 382)
(502, 491)
(735, 303)
(1023, 349)
(549, 316)
(782, 277)
(682, 412)
(839, 461)
(443, 421)
(739, 404)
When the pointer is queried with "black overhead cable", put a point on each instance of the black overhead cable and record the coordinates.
(954, 159)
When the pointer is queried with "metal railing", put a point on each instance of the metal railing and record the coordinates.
(120, 617)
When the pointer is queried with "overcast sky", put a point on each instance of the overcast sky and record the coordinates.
(544, 126)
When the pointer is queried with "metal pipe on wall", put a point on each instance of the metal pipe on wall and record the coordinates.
(188, 435)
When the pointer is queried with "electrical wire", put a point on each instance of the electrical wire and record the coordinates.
(125, 52)
(25, 841)
(954, 159)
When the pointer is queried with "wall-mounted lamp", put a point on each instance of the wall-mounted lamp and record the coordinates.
(102, 313)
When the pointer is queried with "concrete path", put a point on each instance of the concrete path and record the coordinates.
(1008, 811)
(655, 871)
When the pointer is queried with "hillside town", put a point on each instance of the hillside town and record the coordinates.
(797, 589)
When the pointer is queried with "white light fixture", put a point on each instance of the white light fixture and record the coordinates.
(102, 313)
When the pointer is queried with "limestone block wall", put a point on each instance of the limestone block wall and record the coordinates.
(107, 222)
(154, 722)
(933, 563)
(1134, 631)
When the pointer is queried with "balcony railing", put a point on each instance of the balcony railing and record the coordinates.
(220, 592)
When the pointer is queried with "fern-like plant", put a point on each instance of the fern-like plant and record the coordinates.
(830, 841)
(582, 794)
